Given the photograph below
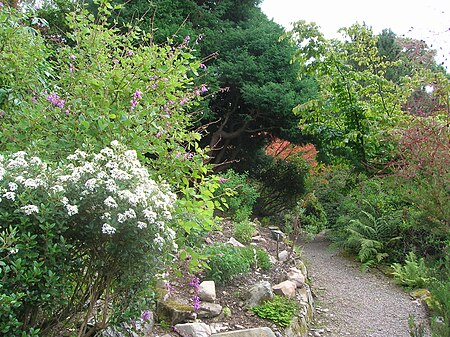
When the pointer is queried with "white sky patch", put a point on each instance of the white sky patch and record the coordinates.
(423, 20)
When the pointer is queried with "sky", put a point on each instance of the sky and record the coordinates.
(427, 20)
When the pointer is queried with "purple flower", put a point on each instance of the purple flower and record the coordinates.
(1, 4)
(72, 57)
(137, 96)
(195, 283)
(2, 113)
(56, 100)
(130, 53)
(183, 101)
(202, 66)
(203, 88)
(146, 315)
(222, 180)
(71, 68)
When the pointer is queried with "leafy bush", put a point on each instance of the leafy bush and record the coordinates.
(95, 229)
(105, 85)
(243, 231)
(280, 310)
(240, 195)
(413, 274)
(282, 183)
(225, 262)
(331, 185)
(257, 257)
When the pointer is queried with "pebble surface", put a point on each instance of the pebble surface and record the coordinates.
(355, 303)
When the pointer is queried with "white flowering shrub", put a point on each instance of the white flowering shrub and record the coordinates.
(95, 228)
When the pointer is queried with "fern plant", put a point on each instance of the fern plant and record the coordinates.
(413, 274)
(368, 236)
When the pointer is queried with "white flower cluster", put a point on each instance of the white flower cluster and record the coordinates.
(110, 188)
(113, 186)
(18, 173)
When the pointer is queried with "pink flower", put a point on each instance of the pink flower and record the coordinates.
(222, 180)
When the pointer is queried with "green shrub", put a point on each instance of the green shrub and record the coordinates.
(413, 273)
(280, 310)
(239, 194)
(225, 262)
(243, 231)
(282, 183)
(257, 257)
(96, 228)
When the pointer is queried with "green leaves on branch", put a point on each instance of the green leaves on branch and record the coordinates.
(356, 104)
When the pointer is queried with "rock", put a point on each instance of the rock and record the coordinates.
(232, 241)
(258, 293)
(193, 330)
(296, 276)
(301, 266)
(255, 332)
(277, 235)
(209, 310)
(258, 238)
(174, 312)
(218, 327)
(285, 288)
(283, 255)
(207, 291)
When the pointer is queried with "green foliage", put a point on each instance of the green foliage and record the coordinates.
(255, 86)
(94, 229)
(257, 257)
(440, 305)
(225, 262)
(413, 273)
(280, 310)
(24, 66)
(357, 104)
(104, 86)
(243, 231)
(282, 183)
(331, 185)
(239, 194)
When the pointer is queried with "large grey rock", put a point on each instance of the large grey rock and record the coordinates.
(209, 310)
(285, 288)
(258, 293)
(193, 330)
(255, 332)
(174, 311)
(207, 291)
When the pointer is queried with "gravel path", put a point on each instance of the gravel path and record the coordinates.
(353, 303)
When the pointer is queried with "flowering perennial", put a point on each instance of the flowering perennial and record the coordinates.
(110, 188)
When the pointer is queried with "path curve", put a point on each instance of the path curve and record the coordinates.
(355, 303)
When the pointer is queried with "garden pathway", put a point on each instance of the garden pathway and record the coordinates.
(354, 303)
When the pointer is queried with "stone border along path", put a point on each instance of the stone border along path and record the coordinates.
(353, 303)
